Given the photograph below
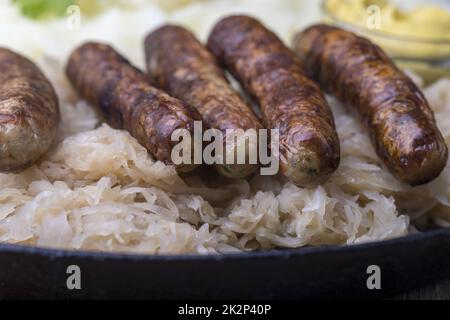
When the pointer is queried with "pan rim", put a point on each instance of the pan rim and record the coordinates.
(437, 234)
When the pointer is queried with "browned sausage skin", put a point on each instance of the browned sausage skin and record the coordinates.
(180, 64)
(127, 100)
(290, 102)
(400, 122)
(29, 112)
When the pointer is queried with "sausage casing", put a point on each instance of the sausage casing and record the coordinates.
(400, 122)
(180, 64)
(290, 102)
(127, 99)
(29, 112)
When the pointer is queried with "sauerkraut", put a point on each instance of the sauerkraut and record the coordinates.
(98, 188)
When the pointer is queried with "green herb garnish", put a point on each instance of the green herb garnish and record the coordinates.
(43, 9)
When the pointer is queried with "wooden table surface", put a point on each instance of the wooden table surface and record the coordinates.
(438, 291)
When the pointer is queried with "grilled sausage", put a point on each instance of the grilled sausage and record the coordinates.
(290, 102)
(127, 99)
(400, 122)
(29, 112)
(178, 63)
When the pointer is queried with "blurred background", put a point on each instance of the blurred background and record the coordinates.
(415, 33)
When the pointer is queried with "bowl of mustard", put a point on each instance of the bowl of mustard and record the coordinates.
(416, 34)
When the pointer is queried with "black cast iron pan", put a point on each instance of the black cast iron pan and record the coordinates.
(321, 272)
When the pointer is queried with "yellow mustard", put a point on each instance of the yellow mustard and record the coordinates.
(418, 39)
(424, 21)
